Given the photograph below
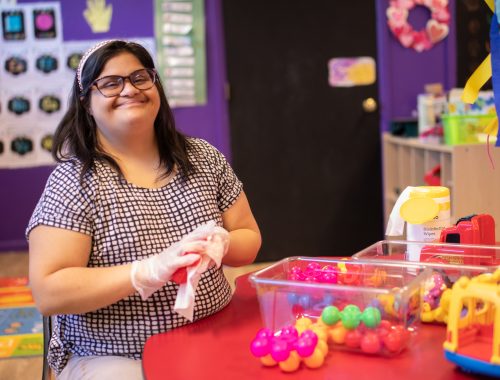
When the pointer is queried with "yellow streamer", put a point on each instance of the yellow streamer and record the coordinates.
(492, 127)
(477, 80)
(481, 75)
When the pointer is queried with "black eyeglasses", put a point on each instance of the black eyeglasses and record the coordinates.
(112, 85)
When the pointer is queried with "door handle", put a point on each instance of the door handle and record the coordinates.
(369, 105)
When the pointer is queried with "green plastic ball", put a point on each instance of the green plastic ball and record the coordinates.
(351, 317)
(371, 317)
(330, 315)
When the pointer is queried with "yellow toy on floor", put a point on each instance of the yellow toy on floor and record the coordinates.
(473, 330)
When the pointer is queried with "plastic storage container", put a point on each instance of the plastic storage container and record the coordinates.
(360, 306)
(465, 129)
(447, 262)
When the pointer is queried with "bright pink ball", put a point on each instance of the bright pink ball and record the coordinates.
(305, 347)
(280, 350)
(260, 347)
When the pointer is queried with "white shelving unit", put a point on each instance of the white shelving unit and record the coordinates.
(465, 169)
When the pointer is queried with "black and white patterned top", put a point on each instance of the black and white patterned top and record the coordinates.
(127, 223)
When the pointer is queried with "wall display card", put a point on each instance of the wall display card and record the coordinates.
(349, 72)
(13, 25)
(3, 147)
(16, 64)
(180, 36)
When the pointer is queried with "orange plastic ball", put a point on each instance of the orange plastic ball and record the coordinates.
(337, 334)
(291, 364)
(316, 360)
(303, 321)
(320, 332)
(268, 360)
(323, 347)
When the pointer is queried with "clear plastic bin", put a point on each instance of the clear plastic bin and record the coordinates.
(448, 262)
(359, 306)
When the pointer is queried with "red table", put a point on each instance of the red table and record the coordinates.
(218, 347)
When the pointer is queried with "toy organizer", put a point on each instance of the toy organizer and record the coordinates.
(370, 307)
(447, 263)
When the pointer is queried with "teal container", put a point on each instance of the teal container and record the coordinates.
(465, 129)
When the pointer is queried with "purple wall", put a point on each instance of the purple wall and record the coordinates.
(21, 188)
(404, 72)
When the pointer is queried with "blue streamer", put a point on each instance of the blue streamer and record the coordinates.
(495, 65)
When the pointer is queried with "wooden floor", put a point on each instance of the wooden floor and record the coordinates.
(16, 264)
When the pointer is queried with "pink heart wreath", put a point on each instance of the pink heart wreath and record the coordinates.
(436, 29)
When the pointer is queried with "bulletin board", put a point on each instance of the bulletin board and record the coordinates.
(42, 43)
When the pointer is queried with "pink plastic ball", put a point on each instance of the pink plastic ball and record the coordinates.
(280, 350)
(309, 334)
(305, 347)
(313, 266)
(289, 331)
(329, 268)
(264, 333)
(329, 277)
(260, 347)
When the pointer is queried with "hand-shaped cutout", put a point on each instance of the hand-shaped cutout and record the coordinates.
(98, 15)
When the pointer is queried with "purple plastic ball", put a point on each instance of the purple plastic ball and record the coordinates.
(260, 346)
(280, 350)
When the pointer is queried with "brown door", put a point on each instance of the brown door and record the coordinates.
(308, 153)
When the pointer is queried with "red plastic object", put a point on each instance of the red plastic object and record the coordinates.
(433, 176)
(180, 275)
(473, 229)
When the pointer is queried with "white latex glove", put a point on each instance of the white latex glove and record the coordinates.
(215, 250)
(150, 274)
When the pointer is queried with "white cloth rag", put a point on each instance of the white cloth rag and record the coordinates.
(184, 303)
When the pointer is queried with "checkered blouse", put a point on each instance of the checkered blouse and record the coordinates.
(127, 223)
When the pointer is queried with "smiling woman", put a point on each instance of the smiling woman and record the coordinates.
(131, 202)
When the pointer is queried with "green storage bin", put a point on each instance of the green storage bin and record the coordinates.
(465, 129)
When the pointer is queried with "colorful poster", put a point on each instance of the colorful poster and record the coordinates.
(43, 41)
(21, 326)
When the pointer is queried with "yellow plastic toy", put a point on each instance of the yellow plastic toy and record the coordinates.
(473, 330)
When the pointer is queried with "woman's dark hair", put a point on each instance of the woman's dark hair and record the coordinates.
(76, 134)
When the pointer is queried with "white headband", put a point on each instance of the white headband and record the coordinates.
(86, 56)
